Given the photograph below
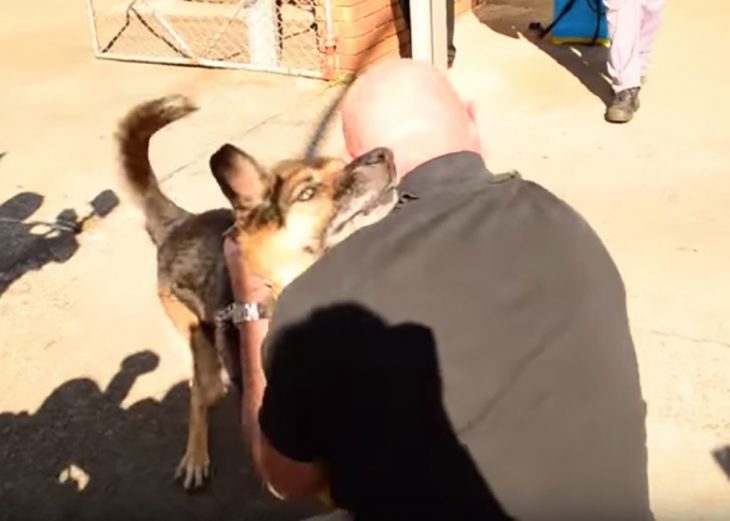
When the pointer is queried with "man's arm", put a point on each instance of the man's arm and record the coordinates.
(285, 477)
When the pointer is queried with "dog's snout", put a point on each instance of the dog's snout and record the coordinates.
(379, 155)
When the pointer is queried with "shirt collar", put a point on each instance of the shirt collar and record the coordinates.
(447, 170)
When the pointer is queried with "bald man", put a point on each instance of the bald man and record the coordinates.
(468, 357)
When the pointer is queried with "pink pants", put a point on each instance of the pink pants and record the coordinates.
(632, 26)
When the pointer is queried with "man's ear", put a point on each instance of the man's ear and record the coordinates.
(239, 177)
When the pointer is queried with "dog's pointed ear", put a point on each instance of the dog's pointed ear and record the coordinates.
(239, 177)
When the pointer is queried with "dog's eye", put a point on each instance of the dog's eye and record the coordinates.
(307, 194)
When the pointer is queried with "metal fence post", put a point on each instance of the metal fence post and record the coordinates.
(263, 33)
(428, 31)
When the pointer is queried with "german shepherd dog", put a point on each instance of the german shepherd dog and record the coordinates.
(285, 218)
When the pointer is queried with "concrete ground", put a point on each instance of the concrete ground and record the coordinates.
(92, 393)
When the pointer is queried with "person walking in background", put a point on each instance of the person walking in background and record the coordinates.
(405, 7)
(632, 26)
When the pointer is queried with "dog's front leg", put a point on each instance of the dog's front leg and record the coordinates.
(195, 464)
(206, 389)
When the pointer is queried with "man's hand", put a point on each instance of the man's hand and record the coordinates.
(251, 289)
(248, 288)
(284, 477)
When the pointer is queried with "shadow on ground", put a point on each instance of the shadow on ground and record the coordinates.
(512, 18)
(84, 457)
(722, 458)
(29, 245)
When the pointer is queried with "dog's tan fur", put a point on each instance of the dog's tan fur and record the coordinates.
(285, 218)
(280, 253)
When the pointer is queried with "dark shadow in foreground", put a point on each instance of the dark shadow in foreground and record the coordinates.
(84, 457)
(29, 245)
(722, 457)
(366, 399)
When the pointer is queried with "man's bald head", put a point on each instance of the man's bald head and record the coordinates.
(411, 107)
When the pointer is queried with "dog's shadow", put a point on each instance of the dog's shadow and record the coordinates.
(83, 456)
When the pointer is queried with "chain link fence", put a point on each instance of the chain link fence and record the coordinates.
(284, 36)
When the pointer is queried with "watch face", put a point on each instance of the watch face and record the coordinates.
(247, 312)
(250, 311)
(239, 312)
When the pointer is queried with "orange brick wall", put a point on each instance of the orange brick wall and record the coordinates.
(367, 31)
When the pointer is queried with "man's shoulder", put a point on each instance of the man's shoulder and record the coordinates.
(508, 197)
(315, 288)
(340, 271)
(543, 202)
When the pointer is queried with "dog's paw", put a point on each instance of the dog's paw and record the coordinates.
(194, 468)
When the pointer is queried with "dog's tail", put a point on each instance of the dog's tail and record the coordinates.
(133, 139)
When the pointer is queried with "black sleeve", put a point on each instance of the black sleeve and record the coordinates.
(320, 367)
(288, 407)
(340, 377)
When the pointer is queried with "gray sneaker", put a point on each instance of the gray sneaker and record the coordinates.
(623, 106)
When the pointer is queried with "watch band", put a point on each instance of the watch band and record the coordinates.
(240, 312)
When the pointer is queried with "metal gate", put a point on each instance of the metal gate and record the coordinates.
(286, 36)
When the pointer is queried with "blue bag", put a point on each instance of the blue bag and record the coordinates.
(579, 21)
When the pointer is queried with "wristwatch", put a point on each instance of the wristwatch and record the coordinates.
(240, 312)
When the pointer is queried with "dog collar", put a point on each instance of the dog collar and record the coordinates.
(240, 312)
